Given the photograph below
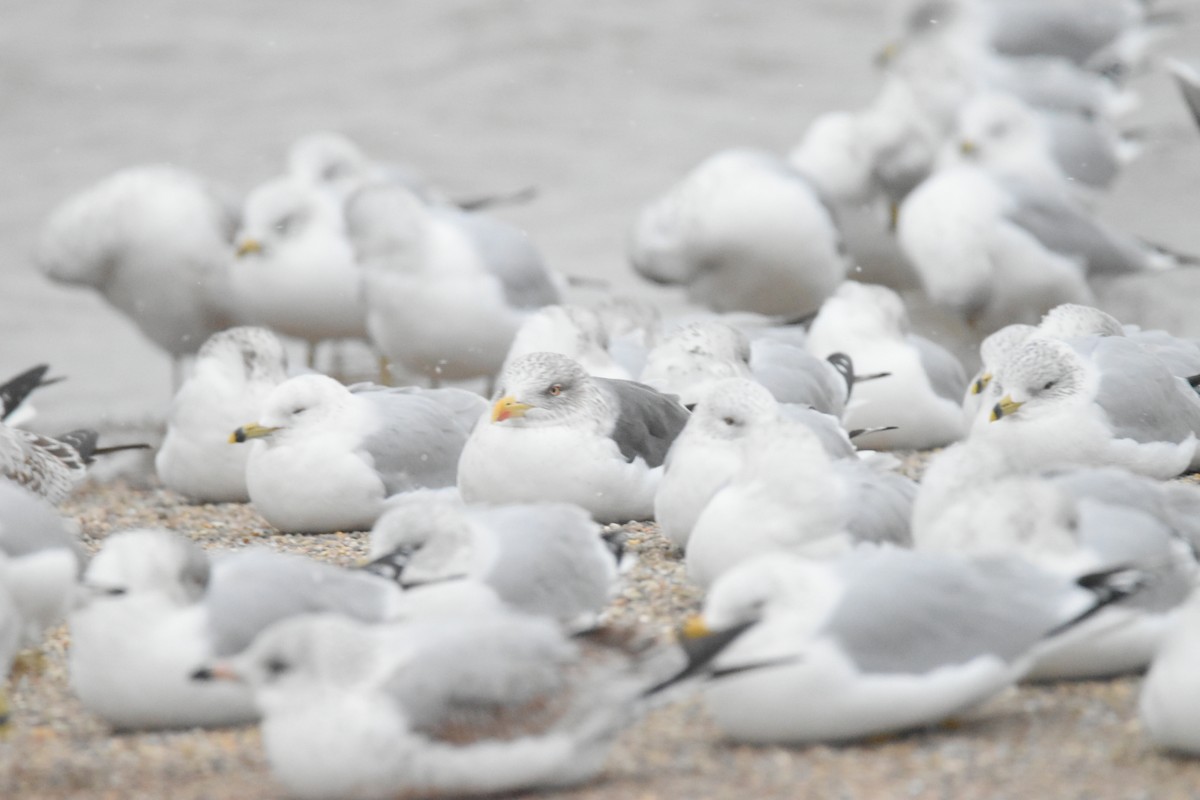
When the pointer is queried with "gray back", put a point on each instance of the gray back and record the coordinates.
(647, 421)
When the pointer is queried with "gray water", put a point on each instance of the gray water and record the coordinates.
(601, 105)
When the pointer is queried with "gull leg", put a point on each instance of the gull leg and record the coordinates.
(311, 356)
(385, 371)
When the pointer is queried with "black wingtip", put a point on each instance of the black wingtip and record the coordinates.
(14, 391)
(1193, 380)
(391, 565)
(523, 195)
(1109, 586)
(854, 434)
(845, 367)
(700, 651)
(83, 441)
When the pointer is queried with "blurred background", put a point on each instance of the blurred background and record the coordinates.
(602, 106)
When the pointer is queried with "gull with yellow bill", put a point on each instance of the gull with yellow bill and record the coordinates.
(327, 456)
(557, 434)
(1094, 401)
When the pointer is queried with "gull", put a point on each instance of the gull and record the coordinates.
(154, 608)
(1095, 401)
(50, 467)
(295, 271)
(557, 434)
(1069, 321)
(477, 276)
(155, 241)
(711, 449)
(998, 246)
(1068, 522)
(789, 496)
(880, 641)
(466, 707)
(573, 331)
(743, 232)
(690, 360)
(1170, 693)
(920, 393)
(547, 559)
(325, 457)
(234, 372)
(40, 559)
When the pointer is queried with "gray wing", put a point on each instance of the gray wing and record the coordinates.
(1123, 536)
(551, 561)
(906, 612)
(1182, 356)
(827, 428)
(511, 258)
(880, 503)
(1138, 393)
(793, 375)
(1068, 230)
(29, 524)
(418, 438)
(647, 421)
(467, 681)
(250, 589)
(945, 372)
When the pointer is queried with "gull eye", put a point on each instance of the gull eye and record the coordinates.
(277, 666)
(555, 390)
(1049, 385)
(729, 421)
(284, 225)
(115, 592)
(333, 172)
(298, 410)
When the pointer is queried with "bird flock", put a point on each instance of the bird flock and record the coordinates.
(768, 433)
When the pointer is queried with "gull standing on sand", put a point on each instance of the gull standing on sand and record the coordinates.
(742, 232)
(547, 559)
(477, 277)
(474, 706)
(234, 372)
(154, 608)
(881, 640)
(919, 394)
(295, 271)
(557, 434)
(156, 242)
(326, 457)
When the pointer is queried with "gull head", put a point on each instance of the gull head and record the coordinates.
(254, 354)
(761, 587)
(866, 309)
(690, 359)
(297, 405)
(1036, 378)
(147, 561)
(1072, 320)
(733, 408)
(544, 389)
(999, 130)
(327, 160)
(283, 213)
(297, 655)
(386, 224)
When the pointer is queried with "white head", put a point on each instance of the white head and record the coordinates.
(544, 389)
(995, 349)
(732, 409)
(835, 156)
(1037, 377)
(1000, 132)
(866, 309)
(689, 360)
(768, 585)
(284, 213)
(412, 519)
(1072, 320)
(297, 406)
(148, 561)
(327, 160)
(254, 354)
